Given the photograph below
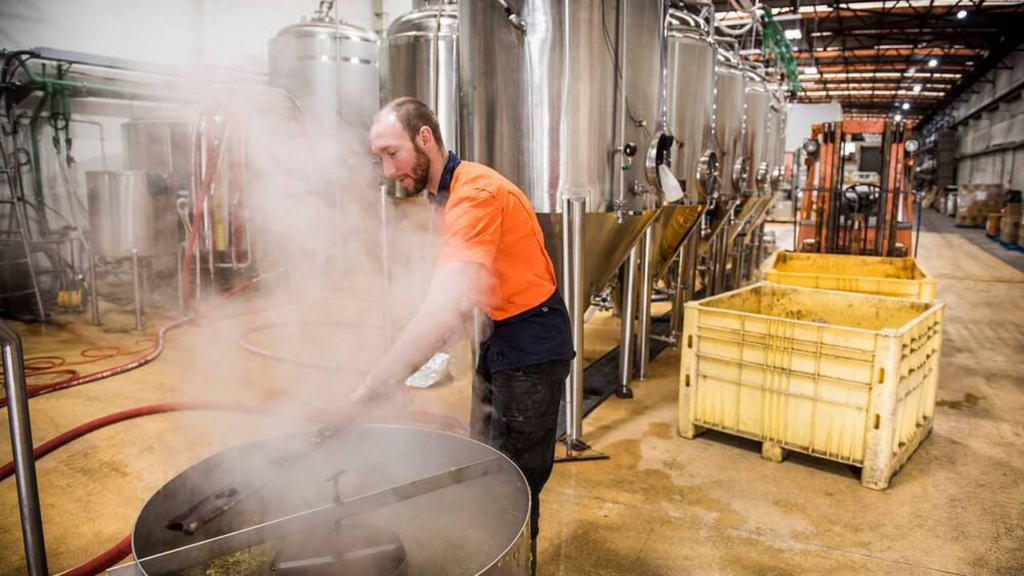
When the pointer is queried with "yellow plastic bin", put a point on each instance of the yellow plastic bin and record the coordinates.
(844, 376)
(900, 277)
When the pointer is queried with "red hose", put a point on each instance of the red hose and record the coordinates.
(78, 381)
(104, 561)
(82, 429)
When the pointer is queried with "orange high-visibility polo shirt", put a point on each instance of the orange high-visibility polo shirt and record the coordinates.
(489, 221)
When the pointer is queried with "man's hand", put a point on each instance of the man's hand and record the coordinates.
(378, 394)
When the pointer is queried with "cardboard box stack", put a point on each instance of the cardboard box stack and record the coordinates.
(976, 201)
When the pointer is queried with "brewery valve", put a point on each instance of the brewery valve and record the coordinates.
(513, 18)
(324, 11)
(628, 150)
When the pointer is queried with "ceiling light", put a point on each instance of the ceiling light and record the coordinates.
(917, 88)
(793, 34)
(906, 106)
(933, 63)
(961, 14)
(912, 71)
(811, 70)
(898, 117)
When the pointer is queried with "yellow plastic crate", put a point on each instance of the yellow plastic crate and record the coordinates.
(848, 377)
(900, 277)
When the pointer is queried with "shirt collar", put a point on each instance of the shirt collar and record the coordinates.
(440, 199)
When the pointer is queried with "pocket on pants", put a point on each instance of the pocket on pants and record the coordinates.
(526, 399)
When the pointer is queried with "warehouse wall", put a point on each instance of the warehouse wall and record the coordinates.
(803, 116)
(1001, 128)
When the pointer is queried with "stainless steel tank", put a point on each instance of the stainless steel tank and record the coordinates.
(566, 98)
(731, 123)
(776, 136)
(330, 68)
(691, 102)
(131, 210)
(161, 146)
(758, 104)
(774, 145)
(420, 501)
(421, 59)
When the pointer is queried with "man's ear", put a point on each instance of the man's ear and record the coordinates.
(426, 137)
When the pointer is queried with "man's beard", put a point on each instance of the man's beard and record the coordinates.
(420, 170)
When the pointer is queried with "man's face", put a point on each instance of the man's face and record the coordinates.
(401, 159)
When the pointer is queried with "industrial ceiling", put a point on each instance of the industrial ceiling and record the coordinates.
(908, 57)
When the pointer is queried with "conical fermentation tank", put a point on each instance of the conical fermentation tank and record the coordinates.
(731, 123)
(758, 104)
(690, 95)
(776, 136)
(421, 60)
(330, 68)
(566, 98)
(691, 101)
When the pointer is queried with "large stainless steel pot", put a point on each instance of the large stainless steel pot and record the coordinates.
(131, 210)
(476, 526)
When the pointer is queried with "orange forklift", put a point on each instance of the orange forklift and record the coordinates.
(842, 214)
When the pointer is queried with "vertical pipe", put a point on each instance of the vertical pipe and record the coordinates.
(628, 316)
(737, 262)
(137, 288)
(182, 312)
(94, 295)
(723, 255)
(685, 280)
(643, 334)
(572, 266)
(386, 263)
(712, 272)
(755, 264)
(21, 446)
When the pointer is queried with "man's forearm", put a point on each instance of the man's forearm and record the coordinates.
(421, 339)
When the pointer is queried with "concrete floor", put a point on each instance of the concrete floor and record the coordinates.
(660, 505)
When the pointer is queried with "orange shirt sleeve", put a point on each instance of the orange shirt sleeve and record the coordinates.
(472, 229)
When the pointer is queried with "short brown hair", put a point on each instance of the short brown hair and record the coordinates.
(414, 115)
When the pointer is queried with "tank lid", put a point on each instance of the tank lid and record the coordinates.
(329, 25)
(426, 20)
(685, 22)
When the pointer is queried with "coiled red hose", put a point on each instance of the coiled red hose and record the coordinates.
(158, 348)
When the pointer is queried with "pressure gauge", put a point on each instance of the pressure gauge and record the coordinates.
(912, 145)
(811, 147)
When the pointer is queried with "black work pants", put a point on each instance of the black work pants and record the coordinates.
(516, 411)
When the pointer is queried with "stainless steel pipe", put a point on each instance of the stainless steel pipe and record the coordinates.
(137, 288)
(574, 209)
(182, 311)
(628, 317)
(739, 251)
(643, 333)
(94, 292)
(685, 281)
(21, 447)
